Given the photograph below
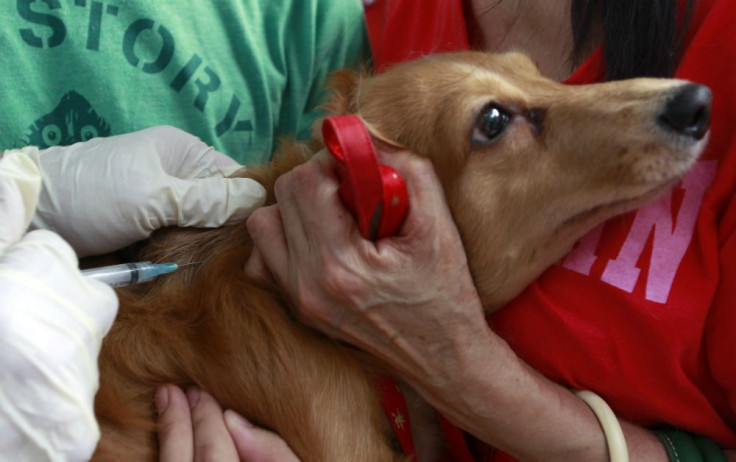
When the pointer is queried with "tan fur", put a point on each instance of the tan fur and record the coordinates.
(571, 158)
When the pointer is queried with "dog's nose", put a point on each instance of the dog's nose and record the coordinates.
(688, 111)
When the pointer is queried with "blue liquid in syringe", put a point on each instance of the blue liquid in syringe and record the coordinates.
(127, 274)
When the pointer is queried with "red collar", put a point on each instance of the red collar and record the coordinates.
(397, 413)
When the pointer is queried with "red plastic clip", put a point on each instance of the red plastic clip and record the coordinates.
(375, 194)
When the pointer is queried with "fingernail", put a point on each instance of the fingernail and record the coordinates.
(162, 399)
(233, 419)
(193, 396)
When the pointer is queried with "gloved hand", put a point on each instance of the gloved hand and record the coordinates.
(106, 193)
(52, 321)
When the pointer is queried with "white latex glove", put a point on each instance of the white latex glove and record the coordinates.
(106, 193)
(52, 321)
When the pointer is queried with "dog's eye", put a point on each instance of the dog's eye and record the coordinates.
(490, 124)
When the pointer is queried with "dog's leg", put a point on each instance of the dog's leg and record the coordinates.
(237, 343)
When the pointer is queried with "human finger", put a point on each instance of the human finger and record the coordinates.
(210, 202)
(211, 438)
(325, 214)
(256, 444)
(174, 426)
(88, 305)
(204, 161)
(256, 269)
(267, 231)
(310, 206)
(425, 190)
(186, 156)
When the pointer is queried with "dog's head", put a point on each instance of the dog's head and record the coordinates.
(530, 165)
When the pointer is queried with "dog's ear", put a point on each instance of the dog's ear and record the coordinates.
(344, 85)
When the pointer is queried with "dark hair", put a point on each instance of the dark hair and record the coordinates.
(641, 38)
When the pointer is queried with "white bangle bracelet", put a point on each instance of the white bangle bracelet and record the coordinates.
(617, 450)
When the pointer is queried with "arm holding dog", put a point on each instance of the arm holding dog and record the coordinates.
(410, 300)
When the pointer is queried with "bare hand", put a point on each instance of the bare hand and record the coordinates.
(192, 427)
(409, 299)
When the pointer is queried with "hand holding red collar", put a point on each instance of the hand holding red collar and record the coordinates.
(375, 194)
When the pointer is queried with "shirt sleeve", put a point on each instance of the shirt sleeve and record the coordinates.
(337, 38)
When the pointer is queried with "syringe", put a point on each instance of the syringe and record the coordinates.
(128, 274)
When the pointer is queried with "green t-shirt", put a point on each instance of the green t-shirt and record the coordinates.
(236, 73)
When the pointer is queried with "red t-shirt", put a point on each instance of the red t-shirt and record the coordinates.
(643, 311)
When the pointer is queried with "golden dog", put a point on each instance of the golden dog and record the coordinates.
(527, 166)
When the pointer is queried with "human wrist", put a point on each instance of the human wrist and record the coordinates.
(615, 440)
(470, 347)
(468, 387)
(501, 400)
(504, 402)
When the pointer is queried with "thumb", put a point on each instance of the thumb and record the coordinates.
(212, 202)
(256, 444)
(184, 155)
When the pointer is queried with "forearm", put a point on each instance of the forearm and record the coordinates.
(501, 400)
(412, 303)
